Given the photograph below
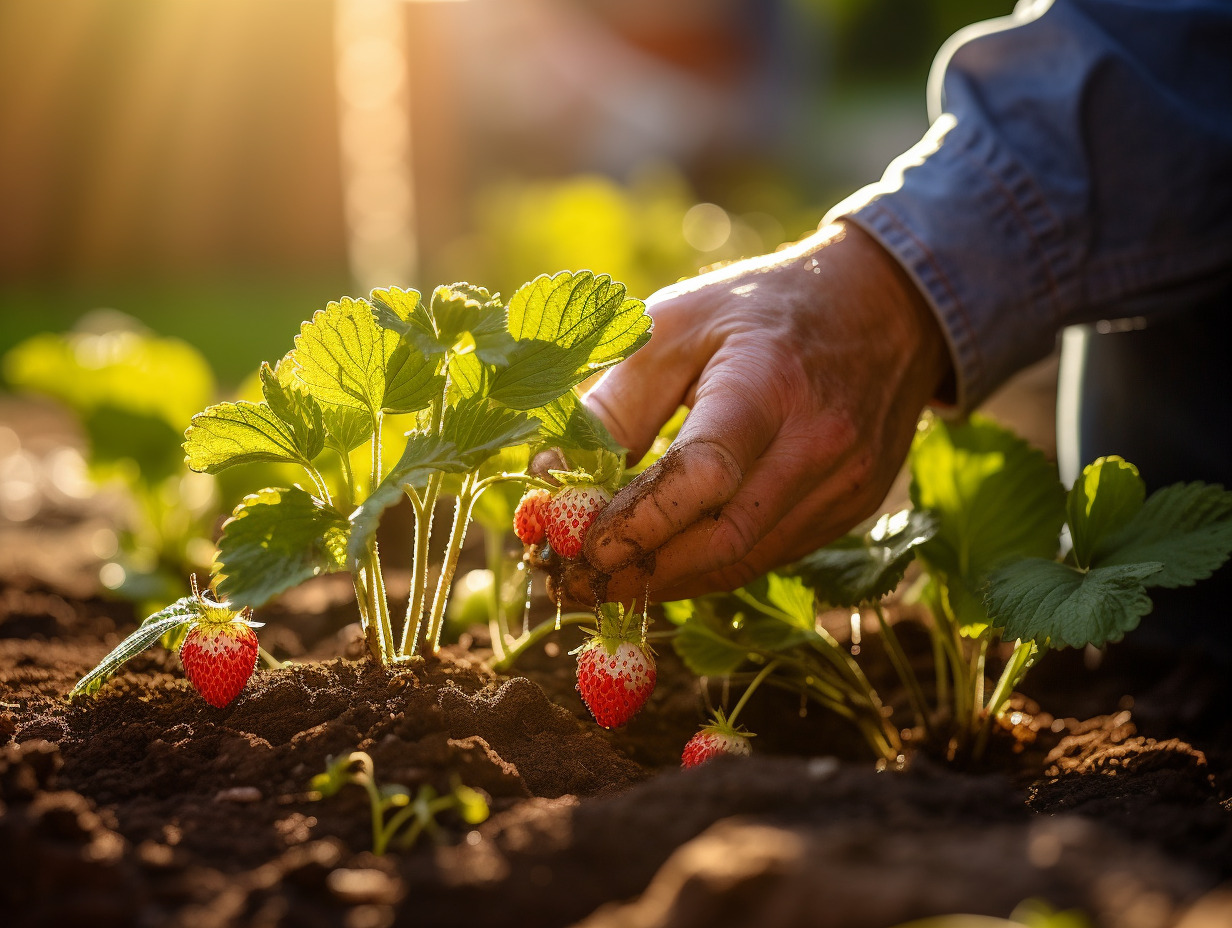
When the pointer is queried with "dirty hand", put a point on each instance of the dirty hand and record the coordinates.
(805, 372)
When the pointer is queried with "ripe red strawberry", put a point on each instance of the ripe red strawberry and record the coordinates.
(570, 514)
(615, 679)
(218, 658)
(531, 515)
(713, 740)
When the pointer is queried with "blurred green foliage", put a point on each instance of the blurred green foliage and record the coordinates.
(648, 233)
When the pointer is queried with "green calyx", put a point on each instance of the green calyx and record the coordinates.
(721, 725)
(616, 627)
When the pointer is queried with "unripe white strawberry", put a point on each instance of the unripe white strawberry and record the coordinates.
(615, 678)
(570, 514)
(712, 741)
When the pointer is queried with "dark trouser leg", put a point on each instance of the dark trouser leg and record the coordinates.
(1161, 397)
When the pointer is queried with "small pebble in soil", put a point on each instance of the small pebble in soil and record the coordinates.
(356, 887)
(239, 794)
(819, 768)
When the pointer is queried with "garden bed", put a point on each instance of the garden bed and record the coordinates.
(145, 806)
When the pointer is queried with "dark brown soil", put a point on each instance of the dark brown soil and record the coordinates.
(145, 806)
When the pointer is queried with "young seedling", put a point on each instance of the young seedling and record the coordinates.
(411, 816)
(218, 646)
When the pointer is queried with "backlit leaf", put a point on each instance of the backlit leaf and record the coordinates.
(241, 433)
(995, 498)
(412, 381)
(566, 327)
(290, 403)
(1101, 503)
(567, 423)
(343, 354)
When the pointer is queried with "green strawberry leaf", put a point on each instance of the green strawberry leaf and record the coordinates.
(346, 428)
(1058, 605)
(994, 496)
(858, 569)
(404, 312)
(412, 381)
(567, 423)
(1187, 527)
(242, 433)
(343, 354)
(1101, 503)
(566, 328)
(286, 397)
(182, 612)
(276, 539)
(706, 643)
(470, 319)
(478, 430)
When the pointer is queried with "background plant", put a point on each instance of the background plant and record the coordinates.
(987, 531)
(412, 816)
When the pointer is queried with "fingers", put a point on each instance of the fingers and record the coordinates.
(637, 396)
(727, 430)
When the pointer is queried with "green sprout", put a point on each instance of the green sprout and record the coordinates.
(411, 816)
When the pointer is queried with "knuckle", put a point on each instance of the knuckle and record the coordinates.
(733, 538)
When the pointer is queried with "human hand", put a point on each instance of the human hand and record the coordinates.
(805, 372)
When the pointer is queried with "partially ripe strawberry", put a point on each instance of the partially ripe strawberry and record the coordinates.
(615, 679)
(218, 659)
(570, 514)
(530, 516)
(713, 740)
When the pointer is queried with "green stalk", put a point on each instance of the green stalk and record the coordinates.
(1021, 660)
(749, 690)
(951, 642)
(498, 623)
(380, 632)
(977, 679)
(319, 481)
(418, 600)
(906, 673)
(457, 535)
(537, 634)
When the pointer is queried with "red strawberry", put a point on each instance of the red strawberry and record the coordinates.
(615, 679)
(713, 740)
(218, 658)
(570, 514)
(530, 516)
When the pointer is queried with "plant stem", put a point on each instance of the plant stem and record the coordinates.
(1021, 660)
(498, 623)
(418, 599)
(744, 697)
(977, 678)
(322, 487)
(537, 634)
(906, 673)
(951, 642)
(457, 535)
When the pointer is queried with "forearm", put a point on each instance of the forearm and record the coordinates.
(1080, 167)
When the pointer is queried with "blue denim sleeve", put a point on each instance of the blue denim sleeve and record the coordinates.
(1078, 167)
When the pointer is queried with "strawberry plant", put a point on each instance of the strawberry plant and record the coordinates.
(412, 815)
(986, 528)
(467, 385)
